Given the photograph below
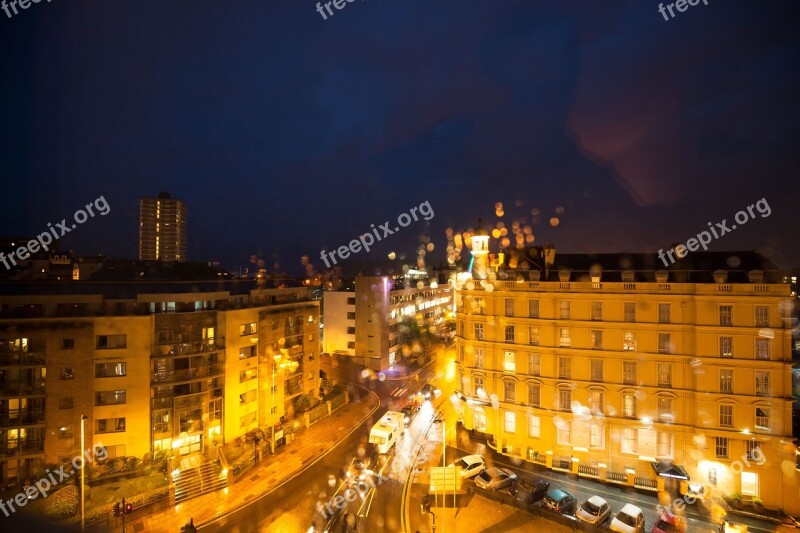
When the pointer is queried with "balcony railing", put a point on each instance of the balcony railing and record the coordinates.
(22, 419)
(187, 348)
(162, 402)
(195, 426)
(166, 376)
(18, 448)
(192, 400)
(162, 427)
(21, 359)
(292, 389)
(19, 388)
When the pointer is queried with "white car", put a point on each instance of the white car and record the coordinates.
(630, 519)
(471, 465)
(595, 510)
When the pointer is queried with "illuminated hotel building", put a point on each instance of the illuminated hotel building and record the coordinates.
(364, 323)
(171, 365)
(609, 368)
(162, 229)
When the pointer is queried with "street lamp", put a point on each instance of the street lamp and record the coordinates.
(84, 418)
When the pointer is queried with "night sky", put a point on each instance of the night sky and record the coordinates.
(286, 133)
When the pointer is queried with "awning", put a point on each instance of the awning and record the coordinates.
(669, 469)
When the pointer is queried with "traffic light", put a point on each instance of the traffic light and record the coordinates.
(128, 508)
(117, 509)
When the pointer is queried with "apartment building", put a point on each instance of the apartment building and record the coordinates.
(181, 366)
(609, 368)
(364, 323)
(162, 228)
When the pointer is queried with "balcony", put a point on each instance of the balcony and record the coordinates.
(22, 359)
(22, 388)
(186, 374)
(188, 348)
(193, 426)
(192, 400)
(17, 418)
(292, 389)
(21, 448)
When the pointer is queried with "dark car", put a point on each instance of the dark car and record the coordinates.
(560, 501)
(529, 490)
(409, 410)
(495, 478)
(427, 391)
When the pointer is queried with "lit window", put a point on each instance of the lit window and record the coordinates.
(534, 427)
(564, 337)
(726, 381)
(762, 418)
(478, 357)
(762, 316)
(629, 439)
(629, 341)
(597, 435)
(726, 347)
(762, 382)
(479, 332)
(533, 336)
(629, 405)
(510, 422)
(597, 339)
(762, 349)
(509, 361)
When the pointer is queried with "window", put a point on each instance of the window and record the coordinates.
(248, 397)
(629, 440)
(762, 349)
(564, 309)
(109, 342)
(534, 364)
(565, 399)
(478, 305)
(478, 357)
(597, 310)
(597, 402)
(726, 416)
(248, 329)
(113, 397)
(597, 436)
(509, 306)
(665, 409)
(534, 427)
(664, 444)
(664, 375)
(564, 367)
(478, 384)
(726, 347)
(460, 353)
(726, 380)
(721, 446)
(479, 332)
(629, 405)
(753, 450)
(67, 344)
(664, 343)
(247, 375)
(509, 333)
(725, 315)
(564, 337)
(663, 313)
(762, 316)
(351, 301)
(510, 391)
(629, 372)
(65, 403)
(509, 361)
(246, 352)
(762, 418)
(533, 308)
(563, 434)
(110, 370)
(351, 345)
(65, 432)
(630, 312)
(510, 422)
(351, 330)
(712, 476)
(534, 395)
(629, 341)
(66, 373)
(351, 315)
(533, 336)
(109, 425)
(246, 420)
(597, 369)
(597, 339)
(762, 382)
(750, 484)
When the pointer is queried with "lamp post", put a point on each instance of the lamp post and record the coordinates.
(84, 418)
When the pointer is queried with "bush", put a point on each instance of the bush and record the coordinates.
(62, 503)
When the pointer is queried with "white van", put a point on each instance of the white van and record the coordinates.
(387, 430)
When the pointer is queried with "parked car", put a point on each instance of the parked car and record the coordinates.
(560, 501)
(595, 510)
(669, 523)
(427, 391)
(529, 491)
(495, 478)
(409, 410)
(629, 519)
(471, 465)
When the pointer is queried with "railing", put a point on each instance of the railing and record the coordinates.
(182, 402)
(22, 419)
(201, 346)
(163, 376)
(192, 427)
(589, 471)
(162, 402)
(292, 389)
(21, 359)
(537, 457)
(561, 464)
(17, 388)
(616, 477)
(645, 483)
(22, 448)
(779, 289)
(162, 427)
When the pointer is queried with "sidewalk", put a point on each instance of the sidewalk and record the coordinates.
(309, 445)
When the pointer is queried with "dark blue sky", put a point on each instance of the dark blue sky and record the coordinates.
(288, 133)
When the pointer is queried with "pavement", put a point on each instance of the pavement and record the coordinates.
(309, 446)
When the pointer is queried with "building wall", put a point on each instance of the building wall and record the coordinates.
(677, 388)
(337, 335)
(241, 359)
